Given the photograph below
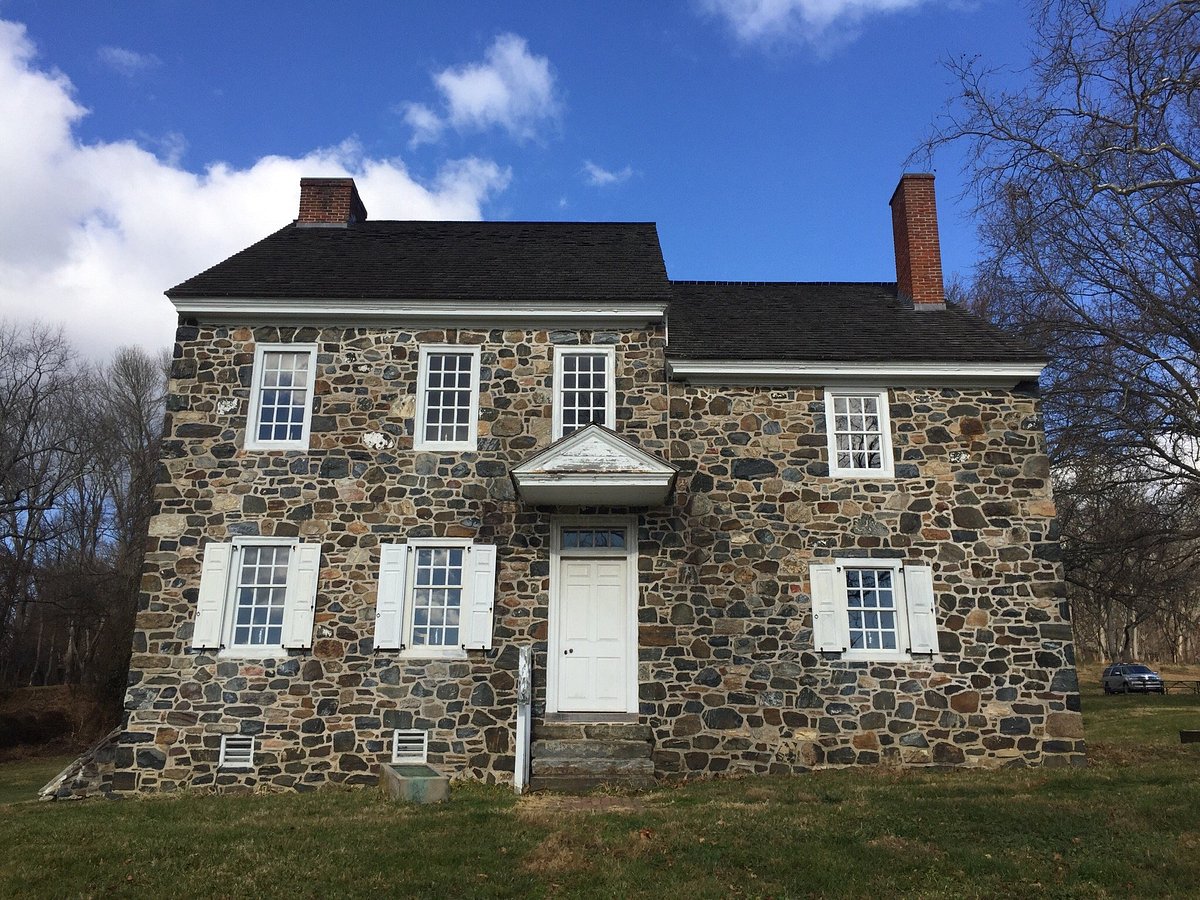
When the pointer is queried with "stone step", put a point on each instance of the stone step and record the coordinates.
(573, 784)
(587, 748)
(600, 731)
(617, 771)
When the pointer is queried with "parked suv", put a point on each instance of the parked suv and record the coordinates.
(1121, 678)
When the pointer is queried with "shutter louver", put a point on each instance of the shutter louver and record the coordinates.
(831, 628)
(210, 605)
(389, 597)
(300, 602)
(922, 610)
(478, 632)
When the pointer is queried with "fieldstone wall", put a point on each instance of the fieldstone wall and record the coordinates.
(728, 672)
(727, 677)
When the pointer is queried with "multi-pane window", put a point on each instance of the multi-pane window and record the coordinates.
(593, 538)
(871, 605)
(859, 437)
(260, 592)
(437, 596)
(584, 389)
(448, 398)
(282, 396)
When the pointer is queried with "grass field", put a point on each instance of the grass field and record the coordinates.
(1128, 825)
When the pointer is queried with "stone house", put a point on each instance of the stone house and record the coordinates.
(743, 527)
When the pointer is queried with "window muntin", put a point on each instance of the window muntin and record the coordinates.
(448, 398)
(260, 591)
(281, 396)
(871, 606)
(584, 391)
(592, 538)
(437, 596)
(858, 433)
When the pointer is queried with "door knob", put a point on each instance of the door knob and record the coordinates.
(568, 652)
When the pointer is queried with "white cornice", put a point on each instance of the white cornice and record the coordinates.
(819, 374)
(420, 312)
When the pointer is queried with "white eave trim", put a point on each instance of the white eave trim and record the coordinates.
(917, 374)
(437, 312)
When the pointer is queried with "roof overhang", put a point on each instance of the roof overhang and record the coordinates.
(818, 374)
(594, 467)
(272, 310)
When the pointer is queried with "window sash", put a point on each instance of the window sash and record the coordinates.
(281, 396)
(858, 432)
(872, 608)
(437, 596)
(270, 559)
(873, 589)
(259, 596)
(584, 389)
(447, 398)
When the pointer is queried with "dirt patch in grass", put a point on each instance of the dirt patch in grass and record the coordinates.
(904, 846)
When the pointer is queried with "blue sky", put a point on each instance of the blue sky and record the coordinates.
(764, 136)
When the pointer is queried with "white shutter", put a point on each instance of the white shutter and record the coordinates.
(477, 623)
(214, 589)
(922, 609)
(300, 602)
(831, 627)
(389, 598)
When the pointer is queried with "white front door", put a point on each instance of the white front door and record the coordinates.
(593, 616)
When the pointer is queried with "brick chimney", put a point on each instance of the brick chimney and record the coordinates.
(330, 201)
(918, 253)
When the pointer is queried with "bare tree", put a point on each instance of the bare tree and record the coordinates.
(81, 448)
(1088, 184)
(1086, 178)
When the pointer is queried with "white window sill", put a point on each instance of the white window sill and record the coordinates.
(295, 445)
(432, 653)
(861, 473)
(252, 653)
(873, 657)
(468, 447)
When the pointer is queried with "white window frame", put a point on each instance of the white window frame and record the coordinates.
(899, 593)
(886, 454)
(427, 350)
(252, 441)
(228, 648)
(426, 651)
(610, 371)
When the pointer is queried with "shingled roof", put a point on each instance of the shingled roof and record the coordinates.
(827, 321)
(390, 260)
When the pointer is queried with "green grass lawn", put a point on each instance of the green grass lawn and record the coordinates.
(21, 779)
(1128, 825)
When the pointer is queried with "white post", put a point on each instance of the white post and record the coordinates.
(524, 700)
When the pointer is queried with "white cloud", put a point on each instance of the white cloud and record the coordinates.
(91, 234)
(598, 176)
(815, 21)
(511, 89)
(127, 62)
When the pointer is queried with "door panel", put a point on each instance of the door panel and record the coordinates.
(593, 642)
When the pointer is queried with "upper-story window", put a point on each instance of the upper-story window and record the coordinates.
(281, 396)
(858, 433)
(583, 388)
(447, 398)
